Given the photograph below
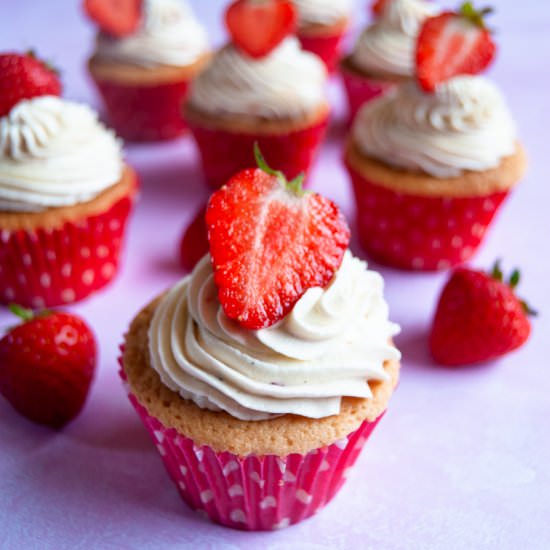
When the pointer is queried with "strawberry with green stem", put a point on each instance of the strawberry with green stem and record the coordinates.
(452, 44)
(47, 364)
(479, 318)
(270, 241)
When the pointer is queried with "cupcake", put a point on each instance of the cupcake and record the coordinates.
(65, 195)
(322, 25)
(143, 63)
(261, 88)
(432, 161)
(384, 53)
(260, 396)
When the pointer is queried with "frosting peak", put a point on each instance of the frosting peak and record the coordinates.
(333, 342)
(287, 83)
(54, 153)
(388, 45)
(464, 125)
(168, 35)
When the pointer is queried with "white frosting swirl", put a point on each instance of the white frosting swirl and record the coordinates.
(169, 35)
(388, 45)
(54, 153)
(322, 12)
(464, 125)
(332, 343)
(287, 83)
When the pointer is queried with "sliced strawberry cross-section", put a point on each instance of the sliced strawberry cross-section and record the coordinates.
(257, 28)
(451, 44)
(118, 18)
(270, 241)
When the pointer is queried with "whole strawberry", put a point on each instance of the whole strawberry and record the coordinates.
(270, 242)
(478, 318)
(24, 76)
(453, 43)
(47, 364)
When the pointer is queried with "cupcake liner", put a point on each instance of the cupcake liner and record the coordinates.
(253, 493)
(144, 113)
(224, 153)
(360, 90)
(50, 267)
(421, 232)
(328, 47)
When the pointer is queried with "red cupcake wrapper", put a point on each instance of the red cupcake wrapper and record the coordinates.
(225, 153)
(360, 90)
(50, 267)
(420, 232)
(145, 113)
(328, 48)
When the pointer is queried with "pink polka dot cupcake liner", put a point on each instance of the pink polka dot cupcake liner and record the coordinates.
(145, 113)
(224, 153)
(360, 90)
(423, 233)
(51, 267)
(254, 493)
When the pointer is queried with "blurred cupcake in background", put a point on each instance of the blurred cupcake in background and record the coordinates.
(433, 160)
(322, 25)
(146, 54)
(262, 87)
(65, 192)
(383, 55)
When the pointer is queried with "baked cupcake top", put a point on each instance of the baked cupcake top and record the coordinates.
(387, 46)
(279, 318)
(53, 153)
(464, 125)
(167, 34)
(322, 12)
(287, 83)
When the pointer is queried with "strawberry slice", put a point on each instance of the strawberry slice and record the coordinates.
(259, 27)
(270, 241)
(118, 18)
(478, 318)
(378, 7)
(451, 44)
(24, 76)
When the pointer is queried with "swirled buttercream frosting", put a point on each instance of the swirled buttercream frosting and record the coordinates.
(334, 341)
(54, 153)
(464, 125)
(322, 12)
(287, 83)
(168, 35)
(388, 45)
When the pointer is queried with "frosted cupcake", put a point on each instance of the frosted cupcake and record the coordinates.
(269, 92)
(322, 25)
(65, 196)
(144, 73)
(433, 160)
(384, 53)
(260, 403)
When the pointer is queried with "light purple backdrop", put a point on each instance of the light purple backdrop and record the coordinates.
(461, 460)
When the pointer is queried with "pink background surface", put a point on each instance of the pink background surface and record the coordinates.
(461, 459)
